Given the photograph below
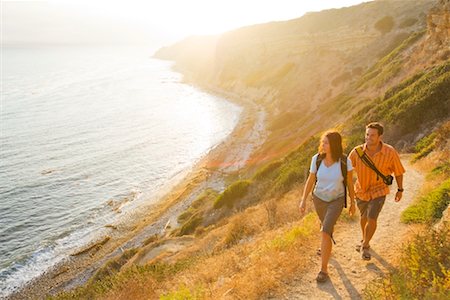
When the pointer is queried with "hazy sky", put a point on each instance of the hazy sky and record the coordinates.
(155, 23)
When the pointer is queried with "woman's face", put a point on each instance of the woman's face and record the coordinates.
(325, 145)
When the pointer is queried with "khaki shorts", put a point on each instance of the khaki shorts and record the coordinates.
(328, 212)
(371, 209)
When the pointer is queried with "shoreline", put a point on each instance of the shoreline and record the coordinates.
(154, 219)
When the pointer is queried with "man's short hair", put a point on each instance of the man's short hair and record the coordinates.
(377, 126)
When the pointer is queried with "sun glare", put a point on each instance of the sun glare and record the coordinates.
(199, 16)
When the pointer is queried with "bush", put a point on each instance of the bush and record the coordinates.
(424, 146)
(113, 266)
(424, 270)
(442, 169)
(417, 101)
(184, 293)
(295, 166)
(430, 207)
(237, 231)
(190, 225)
(233, 193)
(385, 24)
(267, 171)
(407, 22)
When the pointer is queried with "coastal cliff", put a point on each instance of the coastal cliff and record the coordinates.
(239, 234)
(295, 68)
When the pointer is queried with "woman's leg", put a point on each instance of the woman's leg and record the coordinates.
(326, 246)
(332, 214)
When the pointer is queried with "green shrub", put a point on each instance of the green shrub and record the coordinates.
(407, 22)
(395, 57)
(424, 146)
(186, 215)
(184, 293)
(385, 24)
(113, 266)
(430, 207)
(190, 225)
(419, 100)
(442, 169)
(197, 205)
(423, 273)
(233, 193)
(267, 171)
(206, 196)
(295, 166)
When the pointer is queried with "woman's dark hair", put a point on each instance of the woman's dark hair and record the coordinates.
(335, 140)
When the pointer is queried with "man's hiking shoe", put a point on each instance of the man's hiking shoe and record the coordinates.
(322, 277)
(365, 253)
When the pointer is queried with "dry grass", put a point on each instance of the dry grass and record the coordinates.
(251, 256)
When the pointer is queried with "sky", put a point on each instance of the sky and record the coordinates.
(151, 22)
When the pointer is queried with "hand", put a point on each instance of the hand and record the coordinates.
(398, 196)
(302, 206)
(351, 210)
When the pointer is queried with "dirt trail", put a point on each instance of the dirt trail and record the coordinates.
(349, 274)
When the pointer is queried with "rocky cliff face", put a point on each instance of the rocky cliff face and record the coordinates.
(438, 22)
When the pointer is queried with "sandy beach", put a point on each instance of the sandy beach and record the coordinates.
(158, 218)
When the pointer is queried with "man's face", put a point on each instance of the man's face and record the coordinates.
(372, 137)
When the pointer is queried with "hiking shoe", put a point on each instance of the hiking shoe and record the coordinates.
(358, 246)
(322, 277)
(365, 253)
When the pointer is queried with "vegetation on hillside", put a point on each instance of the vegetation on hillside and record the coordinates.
(248, 237)
(423, 273)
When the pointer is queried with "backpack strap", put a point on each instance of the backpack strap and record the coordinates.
(344, 175)
(319, 159)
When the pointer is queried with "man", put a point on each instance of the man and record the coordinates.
(370, 189)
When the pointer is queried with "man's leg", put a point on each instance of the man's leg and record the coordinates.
(362, 207)
(373, 210)
(363, 222)
(369, 230)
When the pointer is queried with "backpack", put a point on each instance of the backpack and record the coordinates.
(343, 160)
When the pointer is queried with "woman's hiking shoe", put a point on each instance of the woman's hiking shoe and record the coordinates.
(359, 246)
(322, 277)
(365, 253)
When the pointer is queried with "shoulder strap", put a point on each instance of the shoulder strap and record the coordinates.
(368, 162)
(344, 175)
(319, 159)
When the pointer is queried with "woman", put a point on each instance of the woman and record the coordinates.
(329, 192)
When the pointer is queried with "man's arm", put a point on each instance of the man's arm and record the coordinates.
(399, 194)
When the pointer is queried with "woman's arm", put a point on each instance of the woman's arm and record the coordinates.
(307, 190)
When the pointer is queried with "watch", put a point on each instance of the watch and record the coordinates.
(400, 190)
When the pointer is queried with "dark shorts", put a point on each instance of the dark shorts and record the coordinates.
(371, 209)
(328, 212)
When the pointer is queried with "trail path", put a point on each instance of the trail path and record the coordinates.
(349, 274)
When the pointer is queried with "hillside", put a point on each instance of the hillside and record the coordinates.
(240, 234)
(295, 68)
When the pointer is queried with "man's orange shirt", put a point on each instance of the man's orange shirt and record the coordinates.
(368, 186)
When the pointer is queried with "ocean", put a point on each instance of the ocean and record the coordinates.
(88, 134)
